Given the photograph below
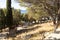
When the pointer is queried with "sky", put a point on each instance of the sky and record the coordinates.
(14, 4)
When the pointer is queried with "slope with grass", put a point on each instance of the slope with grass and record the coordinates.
(35, 32)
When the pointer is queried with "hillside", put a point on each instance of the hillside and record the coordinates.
(35, 32)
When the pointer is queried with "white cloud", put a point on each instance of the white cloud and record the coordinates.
(17, 6)
(14, 4)
(2, 3)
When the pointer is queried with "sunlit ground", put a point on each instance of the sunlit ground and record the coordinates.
(34, 32)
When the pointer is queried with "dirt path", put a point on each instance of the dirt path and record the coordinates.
(34, 30)
(45, 27)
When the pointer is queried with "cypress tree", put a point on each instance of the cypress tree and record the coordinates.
(9, 17)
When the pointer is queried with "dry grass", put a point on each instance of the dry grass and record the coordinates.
(35, 34)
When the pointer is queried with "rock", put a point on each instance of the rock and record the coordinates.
(58, 29)
(3, 36)
(26, 37)
(53, 36)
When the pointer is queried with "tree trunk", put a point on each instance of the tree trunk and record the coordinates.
(56, 23)
(9, 17)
